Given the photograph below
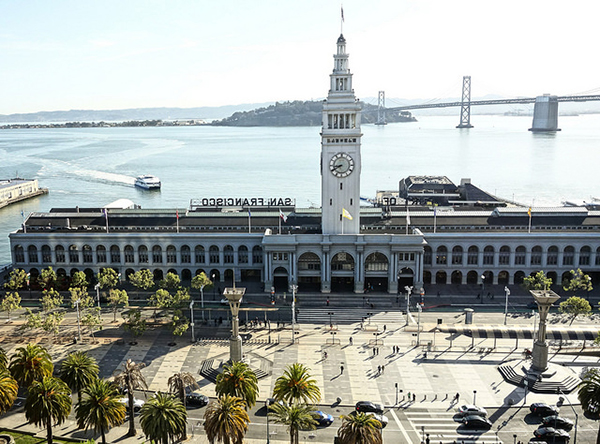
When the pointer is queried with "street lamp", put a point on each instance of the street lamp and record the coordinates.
(507, 293)
(97, 288)
(482, 287)
(78, 323)
(369, 317)
(214, 288)
(561, 400)
(192, 316)
(419, 310)
(474, 397)
(408, 292)
(294, 288)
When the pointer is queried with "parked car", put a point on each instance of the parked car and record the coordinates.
(541, 409)
(196, 399)
(324, 419)
(476, 422)
(270, 401)
(557, 422)
(383, 420)
(551, 434)
(137, 403)
(470, 409)
(369, 407)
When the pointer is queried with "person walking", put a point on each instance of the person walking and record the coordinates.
(414, 397)
(350, 340)
(341, 369)
(378, 369)
(383, 369)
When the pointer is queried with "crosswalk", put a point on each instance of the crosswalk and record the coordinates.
(349, 315)
(441, 427)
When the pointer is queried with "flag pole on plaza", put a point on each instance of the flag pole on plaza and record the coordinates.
(177, 217)
(434, 218)
(345, 215)
(407, 219)
(529, 213)
(249, 221)
(105, 211)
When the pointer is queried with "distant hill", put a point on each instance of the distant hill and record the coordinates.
(299, 113)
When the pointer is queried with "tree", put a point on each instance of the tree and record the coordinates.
(575, 306)
(589, 392)
(237, 379)
(30, 363)
(8, 390)
(179, 382)
(199, 282)
(579, 281)
(47, 279)
(226, 420)
(79, 279)
(160, 299)
(115, 299)
(296, 385)
(171, 282)
(17, 279)
(10, 303)
(360, 429)
(142, 279)
(92, 319)
(539, 281)
(295, 416)
(179, 323)
(163, 418)
(48, 402)
(3, 359)
(108, 278)
(78, 371)
(129, 379)
(133, 322)
(100, 407)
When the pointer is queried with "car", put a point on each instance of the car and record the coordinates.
(270, 401)
(552, 434)
(225, 301)
(541, 409)
(476, 422)
(322, 418)
(137, 403)
(369, 407)
(383, 420)
(470, 409)
(557, 422)
(196, 399)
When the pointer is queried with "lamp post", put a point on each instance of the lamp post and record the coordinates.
(192, 316)
(214, 288)
(474, 397)
(561, 399)
(97, 288)
(294, 288)
(408, 292)
(330, 313)
(482, 287)
(396, 393)
(369, 317)
(419, 310)
(234, 297)
(507, 294)
(78, 323)
(202, 300)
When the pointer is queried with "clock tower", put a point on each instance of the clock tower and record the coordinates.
(340, 151)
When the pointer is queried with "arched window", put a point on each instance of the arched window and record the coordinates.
(568, 255)
(32, 254)
(257, 254)
(441, 255)
(520, 253)
(59, 251)
(213, 254)
(488, 255)
(427, 253)
(376, 262)
(115, 254)
(598, 256)
(129, 256)
(504, 256)
(457, 255)
(228, 254)
(171, 255)
(73, 254)
(88, 256)
(473, 255)
(309, 261)
(199, 254)
(101, 254)
(584, 256)
(243, 254)
(143, 254)
(186, 255)
(536, 255)
(19, 254)
(46, 254)
(342, 262)
(157, 254)
(552, 258)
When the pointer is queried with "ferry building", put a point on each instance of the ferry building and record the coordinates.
(428, 231)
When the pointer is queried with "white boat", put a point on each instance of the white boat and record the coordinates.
(148, 182)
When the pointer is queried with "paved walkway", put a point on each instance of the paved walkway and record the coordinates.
(371, 369)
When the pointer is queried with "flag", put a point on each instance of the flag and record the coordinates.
(346, 214)
(342, 13)
(177, 214)
(407, 217)
(282, 216)
(529, 212)
(249, 213)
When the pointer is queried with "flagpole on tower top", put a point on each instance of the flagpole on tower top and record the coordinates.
(342, 20)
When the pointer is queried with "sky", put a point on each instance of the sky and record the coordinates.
(116, 54)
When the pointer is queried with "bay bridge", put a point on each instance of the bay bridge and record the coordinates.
(545, 111)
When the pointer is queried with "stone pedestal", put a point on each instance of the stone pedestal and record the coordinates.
(544, 300)
(234, 296)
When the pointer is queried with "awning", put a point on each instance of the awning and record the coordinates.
(517, 332)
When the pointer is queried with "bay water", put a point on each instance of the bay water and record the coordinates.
(91, 167)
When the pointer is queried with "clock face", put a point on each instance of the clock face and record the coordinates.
(341, 165)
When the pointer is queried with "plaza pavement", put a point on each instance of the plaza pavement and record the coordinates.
(433, 379)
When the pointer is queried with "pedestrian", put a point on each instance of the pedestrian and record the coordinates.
(427, 439)
(384, 327)
(350, 340)
(341, 369)
(457, 397)
(383, 369)
(378, 369)
(373, 351)
(414, 397)
(409, 396)
(328, 302)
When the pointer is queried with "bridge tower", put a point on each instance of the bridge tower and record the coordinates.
(545, 114)
(381, 109)
(465, 104)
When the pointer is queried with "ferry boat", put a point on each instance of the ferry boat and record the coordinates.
(148, 182)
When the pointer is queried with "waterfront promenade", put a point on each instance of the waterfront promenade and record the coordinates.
(433, 379)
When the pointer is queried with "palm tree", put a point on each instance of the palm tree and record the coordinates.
(177, 385)
(238, 380)
(163, 418)
(79, 370)
(3, 358)
(360, 429)
(296, 417)
(48, 402)
(8, 390)
(130, 379)
(226, 420)
(100, 408)
(589, 392)
(296, 385)
(30, 363)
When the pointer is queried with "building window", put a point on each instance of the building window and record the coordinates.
(488, 255)
(376, 262)
(46, 254)
(584, 256)
(473, 255)
(19, 254)
(568, 255)
(171, 255)
(88, 257)
(243, 254)
(228, 254)
(457, 255)
(186, 255)
(504, 256)
(73, 254)
(213, 254)
(32, 254)
(257, 255)
(598, 256)
(309, 261)
(427, 255)
(157, 254)
(199, 254)
(129, 257)
(115, 254)
(101, 254)
(441, 255)
(143, 254)
(552, 258)
(59, 251)
(536, 255)
(342, 262)
(520, 256)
